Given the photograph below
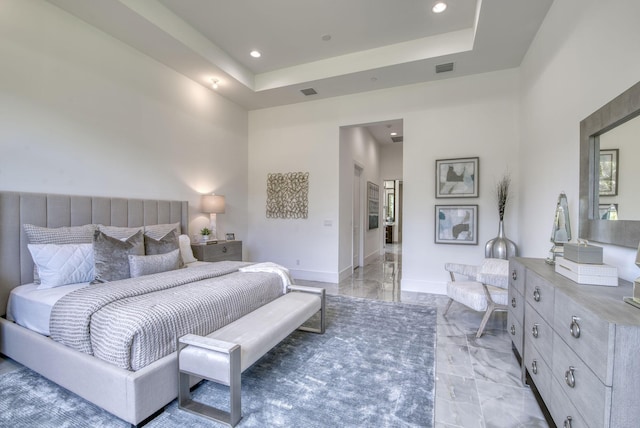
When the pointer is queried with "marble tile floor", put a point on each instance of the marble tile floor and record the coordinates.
(477, 380)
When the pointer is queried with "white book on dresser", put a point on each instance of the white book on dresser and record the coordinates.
(586, 273)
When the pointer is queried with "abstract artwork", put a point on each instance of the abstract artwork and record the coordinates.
(457, 178)
(373, 200)
(456, 224)
(288, 195)
(608, 182)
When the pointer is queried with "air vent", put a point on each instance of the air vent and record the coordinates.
(443, 68)
(308, 91)
(397, 139)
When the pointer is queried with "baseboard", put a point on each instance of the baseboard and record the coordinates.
(420, 286)
(309, 275)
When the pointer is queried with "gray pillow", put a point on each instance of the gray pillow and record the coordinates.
(148, 265)
(158, 231)
(163, 245)
(59, 236)
(119, 232)
(111, 255)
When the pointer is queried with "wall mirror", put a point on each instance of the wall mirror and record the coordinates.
(609, 147)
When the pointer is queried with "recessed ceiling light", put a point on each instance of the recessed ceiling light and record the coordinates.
(393, 134)
(214, 83)
(439, 7)
(326, 37)
(255, 54)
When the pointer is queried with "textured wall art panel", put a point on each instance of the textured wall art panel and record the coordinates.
(288, 195)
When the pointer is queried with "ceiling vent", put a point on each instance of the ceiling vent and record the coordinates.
(398, 139)
(308, 91)
(443, 68)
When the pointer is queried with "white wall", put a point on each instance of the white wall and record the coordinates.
(584, 55)
(391, 161)
(82, 113)
(458, 117)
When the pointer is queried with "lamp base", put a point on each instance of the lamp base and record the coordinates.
(556, 251)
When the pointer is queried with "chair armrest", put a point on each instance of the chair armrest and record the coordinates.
(469, 271)
(500, 281)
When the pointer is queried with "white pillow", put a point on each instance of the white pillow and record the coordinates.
(148, 265)
(62, 264)
(185, 249)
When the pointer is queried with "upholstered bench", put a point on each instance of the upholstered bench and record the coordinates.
(224, 354)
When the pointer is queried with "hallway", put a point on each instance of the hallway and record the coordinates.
(477, 380)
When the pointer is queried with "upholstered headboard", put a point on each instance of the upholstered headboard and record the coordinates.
(47, 210)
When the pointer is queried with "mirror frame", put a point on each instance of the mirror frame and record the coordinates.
(625, 233)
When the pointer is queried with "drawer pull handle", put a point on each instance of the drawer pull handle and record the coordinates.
(575, 327)
(536, 294)
(567, 422)
(534, 367)
(513, 330)
(569, 378)
(514, 274)
(513, 302)
(224, 249)
(534, 330)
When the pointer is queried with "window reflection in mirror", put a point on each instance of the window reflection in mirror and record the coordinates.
(619, 173)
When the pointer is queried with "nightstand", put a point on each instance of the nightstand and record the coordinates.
(218, 251)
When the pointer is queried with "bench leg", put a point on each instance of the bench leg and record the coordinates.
(233, 416)
(322, 292)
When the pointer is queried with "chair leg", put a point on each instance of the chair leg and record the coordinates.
(446, 309)
(485, 319)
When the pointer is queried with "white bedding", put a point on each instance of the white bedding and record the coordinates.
(31, 308)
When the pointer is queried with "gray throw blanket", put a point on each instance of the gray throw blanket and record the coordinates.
(134, 322)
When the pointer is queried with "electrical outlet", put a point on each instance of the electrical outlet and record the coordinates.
(298, 262)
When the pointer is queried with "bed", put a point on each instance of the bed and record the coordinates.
(133, 389)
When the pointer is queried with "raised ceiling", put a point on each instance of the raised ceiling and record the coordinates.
(373, 44)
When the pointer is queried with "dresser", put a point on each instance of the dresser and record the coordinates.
(579, 346)
(218, 251)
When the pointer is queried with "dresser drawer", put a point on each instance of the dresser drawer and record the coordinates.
(590, 397)
(590, 336)
(537, 332)
(516, 304)
(540, 295)
(220, 251)
(539, 371)
(516, 276)
(564, 413)
(515, 331)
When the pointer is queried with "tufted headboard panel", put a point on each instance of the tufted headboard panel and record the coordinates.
(50, 210)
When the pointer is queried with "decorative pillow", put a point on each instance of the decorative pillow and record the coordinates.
(59, 236)
(147, 265)
(118, 232)
(159, 231)
(111, 255)
(63, 264)
(163, 245)
(185, 249)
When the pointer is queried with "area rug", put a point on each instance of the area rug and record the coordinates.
(374, 366)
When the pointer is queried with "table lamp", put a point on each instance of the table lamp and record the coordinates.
(561, 230)
(213, 204)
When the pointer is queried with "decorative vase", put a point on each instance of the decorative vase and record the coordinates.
(500, 247)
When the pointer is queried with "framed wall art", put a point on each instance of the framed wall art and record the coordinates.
(608, 211)
(373, 204)
(456, 224)
(457, 178)
(608, 172)
(288, 195)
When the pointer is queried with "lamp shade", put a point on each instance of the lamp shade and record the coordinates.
(212, 204)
